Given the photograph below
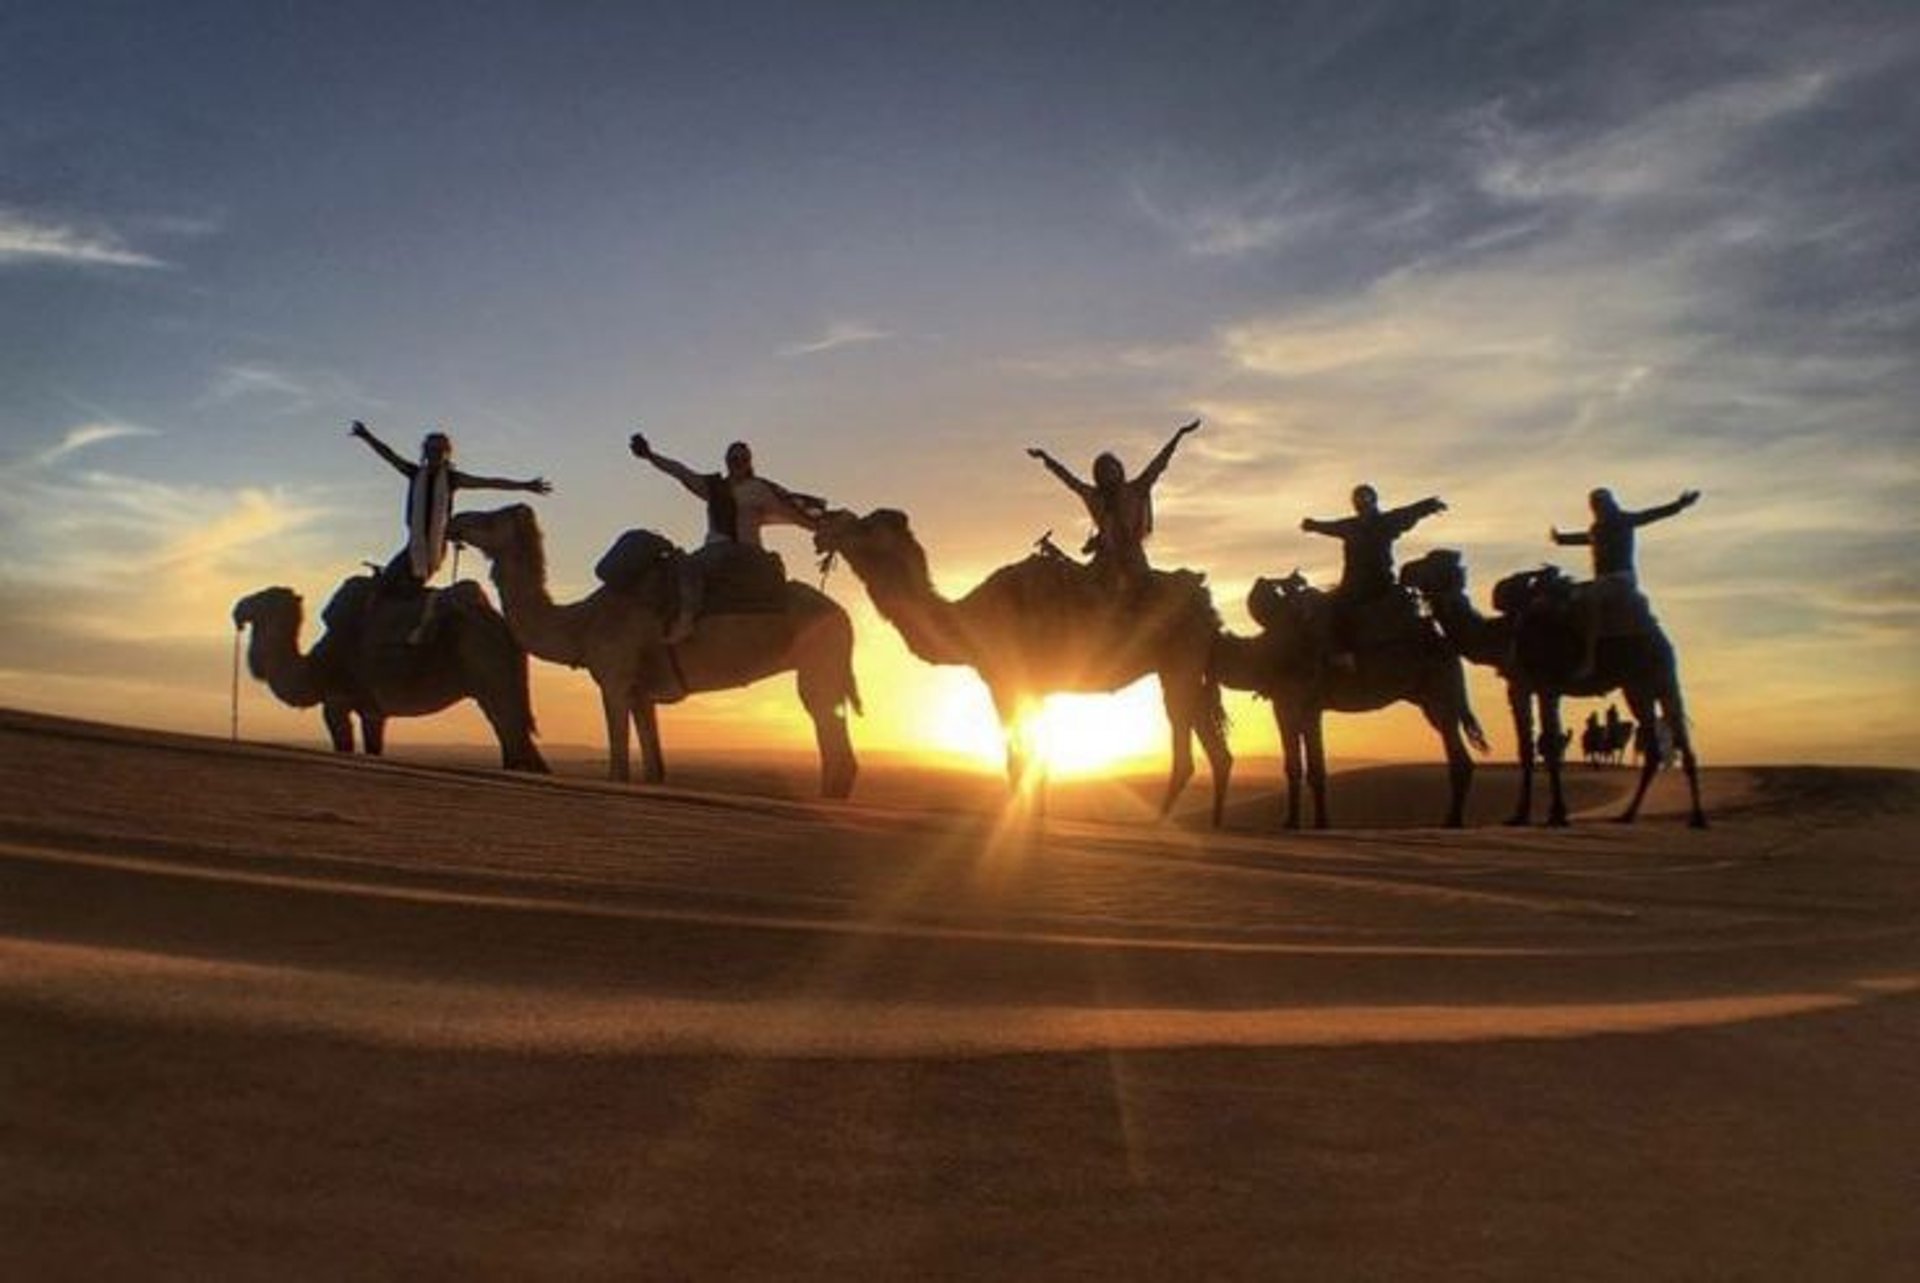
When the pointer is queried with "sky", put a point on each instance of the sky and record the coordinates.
(1500, 253)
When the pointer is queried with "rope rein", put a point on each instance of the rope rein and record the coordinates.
(233, 718)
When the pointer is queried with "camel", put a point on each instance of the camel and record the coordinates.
(364, 666)
(617, 635)
(1040, 626)
(1287, 663)
(1536, 648)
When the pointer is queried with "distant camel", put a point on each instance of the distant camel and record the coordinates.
(618, 637)
(1031, 629)
(1288, 664)
(1605, 744)
(365, 666)
(1537, 647)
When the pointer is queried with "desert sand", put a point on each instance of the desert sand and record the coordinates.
(266, 1013)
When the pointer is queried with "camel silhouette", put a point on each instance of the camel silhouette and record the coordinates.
(364, 666)
(1537, 643)
(617, 635)
(1042, 625)
(1287, 663)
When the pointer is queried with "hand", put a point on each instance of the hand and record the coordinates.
(1439, 505)
(1035, 452)
(638, 444)
(359, 429)
(1306, 524)
(1191, 427)
(1553, 534)
(540, 485)
(1689, 497)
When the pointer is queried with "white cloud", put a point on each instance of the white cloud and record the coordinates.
(28, 240)
(88, 434)
(838, 335)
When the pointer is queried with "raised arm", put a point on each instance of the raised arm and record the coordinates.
(1059, 470)
(672, 467)
(1406, 518)
(360, 431)
(1158, 464)
(467, 481)
(1686, 500)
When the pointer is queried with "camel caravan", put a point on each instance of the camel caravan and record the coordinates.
(667, 623)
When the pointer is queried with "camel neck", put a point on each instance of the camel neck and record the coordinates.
(273, 655)
(926, 621)
(1479, 639)
(543, 628)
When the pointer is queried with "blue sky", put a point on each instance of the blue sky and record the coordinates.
(1497, 252)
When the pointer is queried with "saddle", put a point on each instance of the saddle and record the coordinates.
(1386, 619)
(735, 578)
(1624, 610)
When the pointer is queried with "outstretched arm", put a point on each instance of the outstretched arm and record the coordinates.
(1405, 519)
(1059, 470)
(466, 481)
(803, 510)
(381, 448)
(1158, 464)
(1686, 500)
(1568, 538)
(672, 467)
(1336, 529)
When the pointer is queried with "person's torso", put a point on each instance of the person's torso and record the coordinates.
(755, 505)
(1612, 547)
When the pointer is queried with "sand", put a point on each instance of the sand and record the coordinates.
(268, 1013)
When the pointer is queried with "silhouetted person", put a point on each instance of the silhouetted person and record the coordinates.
(739, 503)
(1366, 545)
(1122, 509)
(431, 484)
(1611, 537)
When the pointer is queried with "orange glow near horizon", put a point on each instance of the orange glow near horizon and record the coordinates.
(1073, 735)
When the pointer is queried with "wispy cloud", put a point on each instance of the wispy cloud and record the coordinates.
(26, 239)
(88, 434)
(838, 335)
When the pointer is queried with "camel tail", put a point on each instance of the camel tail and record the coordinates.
(1471, 725)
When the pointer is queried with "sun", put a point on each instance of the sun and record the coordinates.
(1071, 734)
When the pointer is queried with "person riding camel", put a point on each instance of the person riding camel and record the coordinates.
(1615, 579)
(1366, 543)
(1122, 510)
(431, 484)
(739, 502)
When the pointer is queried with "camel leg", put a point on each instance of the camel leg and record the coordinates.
(513, 731)
(1647, 714)
(1446, 720)
(1552, 754)
(1211, 726)
(1676, 714)
(646, 727)
(339, 722)
(1179, 702)
(1317, 769)
(1520, 703)
(373, 733)
(1012, 712)
(837, 763)
(1290, 752)
(615, 702)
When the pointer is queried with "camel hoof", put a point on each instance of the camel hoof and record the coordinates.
(1698, 821)
(1558, 822)
(1517, 821)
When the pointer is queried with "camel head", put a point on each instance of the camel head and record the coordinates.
(1441, 573)
(268, 608)
(879, 546)
(495, 533)
(274, 614)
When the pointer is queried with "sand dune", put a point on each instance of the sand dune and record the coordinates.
(272, 1012)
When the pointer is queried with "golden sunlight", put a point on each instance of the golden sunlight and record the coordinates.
(1071, 734)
